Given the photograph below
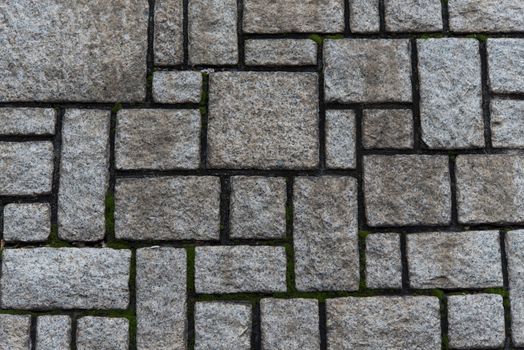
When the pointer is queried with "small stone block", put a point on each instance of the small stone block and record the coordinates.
(507, 123)
(340, 139)
(383, 261)
(27, 222)
(102, 333)
(515, 255)
(364, 16)
(27, 121)
(387, 129)
(169, 32)
(53, 333)
(486, 16)
(177, 86)
(281, 52)
(506, 64)
(15, 332)
(413, 15)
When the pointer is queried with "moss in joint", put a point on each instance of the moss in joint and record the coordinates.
(110, 215)
(480, 37)
(500, 291)
(117, 107)
(316, 38)
(431, 36)
(54, 240)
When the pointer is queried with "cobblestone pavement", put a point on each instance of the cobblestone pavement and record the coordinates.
(254, 174)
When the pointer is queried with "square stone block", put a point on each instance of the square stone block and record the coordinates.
(413, 15)
(387, 128)
(27, 222)
(506, 65)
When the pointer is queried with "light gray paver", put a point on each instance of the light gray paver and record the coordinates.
(515, 257)
(387, 128)
(169, 33)
(27, 222)
(341, 139)
(364, 16)
(383, 261)
(507, 123)
(27, 121)
(53, 333)
(506, 64)
(15, 332)
(102, 333)
(486, 15)
(281, 52)
(413, 15)
(177, 86)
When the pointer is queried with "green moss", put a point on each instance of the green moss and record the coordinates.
(190, 272)
(54, 240)
(480, 37)
(203, 110)
(316, 38)
(445, 342)
(119, 245)
(334, 37)
(431, 36)
(452, 155)
(438, 293)
(110, 215)
(204, 92)
(289, 213)
(500, 291)
(116, 107)
(363, 234)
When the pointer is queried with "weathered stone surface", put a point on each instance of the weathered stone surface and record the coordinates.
(486, 15)
(383, 261)
(387, 128)
(167, 208)
(367, 70)
(169, 33)
(454, 259)
(27, 222)
(407, 190)
(258, 207)
(396, 323)
(506, 64)
(234, 269)
(507, 123)
(161, 298)
(157, 139)
(281, 52)
(515, 256)
(289, 324)
(263, 120)
(177, 86)
(364, 16)
(450, 93)
(14, 332)
(102, 333)
(490, 188)
(65, 278)
(476, 321)
(42, 43)
(84, 175)
(321, 16)
(27, 121)
(53, 333)
(26, 168)
(341, 139)
(413, 15)
(213, 32)
(222, 326)
(325, 233)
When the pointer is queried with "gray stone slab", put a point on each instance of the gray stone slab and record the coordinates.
(507, 123)
(280, 52)
(383, 261)
(102, 333)
(325, 233)
(65, 278)
(367, 70)
(387, 128)
(53, 332)
(341, 138)
(454, 259)
(515, 257)
(395, 323)
(43, 41)
(235, 269)
(27, 222)
(161, 298)
(364, 16)
(263, 120)
(15, 332)
(26, 168)
(177, 86)
(486, 15)
(413, 15)
(157, 139)
(169, 33)
(167, 208)
(450, 93)
(27, 121)
(506, 64)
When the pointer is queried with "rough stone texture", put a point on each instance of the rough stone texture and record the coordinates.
(507, 123)
(281, 16)
(27, 121)
(450, 93)
(341, 139)
(476, 321)
(222, 326)
(325, 233)
(289, 324)
(26, 168)
(383, 261)
(515, 256)
(177, 86)
(14, 332)
(43, 41)
(161, 298)
(65, 278)
(413, 15)
(367, 70)
(53, 333)
(169, 33)
(396, 323)
(364, 16)
(157, 139)
(167, 208)
(387, 128)
(234, 269)
(407, 190)
(281, 52)
(506, 64)
(84, 175)
(486, 15)
(258, 207)
(102, 333)
(263, 120)
(454, 259)
(490, 188)
(27, 222)
(213, 32)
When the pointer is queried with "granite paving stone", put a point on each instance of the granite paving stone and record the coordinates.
(515, 255)
(177, 86)
(413, 15)
(281, 52)
(506, 64)
(383, 261)
(53, 332)
(15, 332)
(364, 16)
(390, 128)
(27, 222)
(169, 33)
(341, 139)
(102, 333)
(486, 15)
(507, 123)
(27, 121)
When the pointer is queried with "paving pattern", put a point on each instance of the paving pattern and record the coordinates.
(254, 174)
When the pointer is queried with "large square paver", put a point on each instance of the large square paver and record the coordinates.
(65, 50)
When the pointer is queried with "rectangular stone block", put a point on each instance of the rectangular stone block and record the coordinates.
(506, 64)
(161, 298)
(177, 86)
(167, 208)
(383, 261)
(65, 278)
(413, 15)
(515, 257)
(84, 175)
(280, 52)
(450, 93)
(26, 168)
(341, 135)
(454, 259)
(169, 32)
(102, 333)
(236, 269)
(15, 332)
(53, 332)
(325, 233)
(27, 121)
(364, 16)
(486, 15)
(387, 128)
(507, 123)
(27, 222)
